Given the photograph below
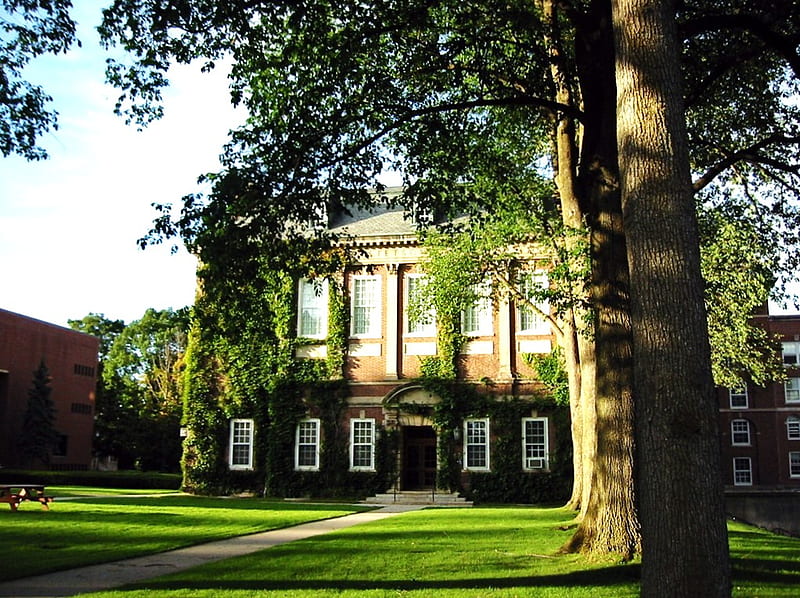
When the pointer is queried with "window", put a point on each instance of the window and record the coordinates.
(241, 444)
(366, 307)
(306, 455)
(362, 444)
(792, 390)
(740, 432)
(420, 321)
(83, 370)
(531, 321)
(794, 465)
(793, 428)
(742, 472)
(312, 309)
(791, 353)
(82, 408)
(476, 320)
(476, 444)
(534, 443)
(738, 397)
(60, 447)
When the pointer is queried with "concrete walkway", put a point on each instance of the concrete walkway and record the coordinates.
(95, 578)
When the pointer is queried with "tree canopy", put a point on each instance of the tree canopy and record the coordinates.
(139, 387)
(472, 103)
(27, 30)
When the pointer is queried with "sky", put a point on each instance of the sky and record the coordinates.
(69, 225)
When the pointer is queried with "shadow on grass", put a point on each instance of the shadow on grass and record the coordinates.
(605, 577)
(762, 571)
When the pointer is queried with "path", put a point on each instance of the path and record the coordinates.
(95, 578)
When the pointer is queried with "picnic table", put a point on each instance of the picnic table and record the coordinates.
(14, 494)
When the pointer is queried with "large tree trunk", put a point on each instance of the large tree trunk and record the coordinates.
(565, 166)
(685, 551)
(610, 523)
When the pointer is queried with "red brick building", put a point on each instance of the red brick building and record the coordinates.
(71, 359)
(760, 426)
(386, 348)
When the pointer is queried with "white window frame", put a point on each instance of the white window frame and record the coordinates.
(301, 426)
(742, 476)
(529, 321)
(791, 353)
(793, 427)
(469, 441)
(358, 440)
(538, 458)
(312, 295)
(426, 328)
(739, 394)
(740, 428)
(480, 312)
(373, 329)
(237, 439)
(791, 390)
(794, 464)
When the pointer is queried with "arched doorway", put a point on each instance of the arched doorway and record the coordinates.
(409, 409)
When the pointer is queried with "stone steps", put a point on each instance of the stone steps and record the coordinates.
(419, 497)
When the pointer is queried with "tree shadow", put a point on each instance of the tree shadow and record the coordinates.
(619, 575)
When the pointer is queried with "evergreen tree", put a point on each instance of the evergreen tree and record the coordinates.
(39, 436)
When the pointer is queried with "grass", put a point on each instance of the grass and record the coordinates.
(102, 529)
(441, 553)
(449, 553)
(81, 491)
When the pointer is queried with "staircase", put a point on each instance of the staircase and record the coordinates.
(419, 497)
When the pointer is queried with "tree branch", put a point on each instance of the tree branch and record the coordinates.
(745, 154)
(412, 115)
(784, 45)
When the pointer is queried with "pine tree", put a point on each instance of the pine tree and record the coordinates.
(39, 436)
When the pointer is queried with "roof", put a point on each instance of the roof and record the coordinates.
(378, 223)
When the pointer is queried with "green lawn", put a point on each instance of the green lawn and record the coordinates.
(441, 553)
(100, 529)
(448, 553)
(79, 491)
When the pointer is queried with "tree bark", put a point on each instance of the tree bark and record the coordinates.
(565, 166)
(685, 551)
(610, 523)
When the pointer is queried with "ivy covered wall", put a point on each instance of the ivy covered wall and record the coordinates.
(241, 364)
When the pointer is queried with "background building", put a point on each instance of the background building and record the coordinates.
(760, 426)
(71, 359)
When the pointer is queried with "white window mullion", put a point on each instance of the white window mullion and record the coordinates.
(306, 456)
(419, 321)
(742, 471)
(362, 444)
(530, 320)
(740, 432)
(476, 320)
(535, 444)
(738, 397)
(312, 310)
(241, 444)
(476, 444)
(365, 310)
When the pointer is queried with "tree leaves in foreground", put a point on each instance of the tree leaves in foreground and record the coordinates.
(472, 103)
(28, 30)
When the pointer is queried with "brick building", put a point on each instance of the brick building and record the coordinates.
(760, 426)
(71, 358)
(386, 347)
